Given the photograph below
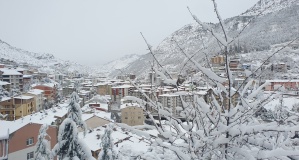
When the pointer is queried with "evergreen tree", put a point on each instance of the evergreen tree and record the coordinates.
(15, 91)
(3, 93)
(43, 149)
(107, 152)
(75, 112)
(77, 86)
(69, 146)
(27, 87)
(281, 114)
(48, 104)
(57, 96)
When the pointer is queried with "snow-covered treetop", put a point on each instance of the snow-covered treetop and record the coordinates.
(75, 112)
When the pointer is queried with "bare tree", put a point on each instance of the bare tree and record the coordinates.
(222, 125)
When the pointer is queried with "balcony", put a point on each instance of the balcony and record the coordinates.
(6, 109)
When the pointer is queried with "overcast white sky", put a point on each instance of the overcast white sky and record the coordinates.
(93, 32)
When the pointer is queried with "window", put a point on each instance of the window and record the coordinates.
(29, 141)
(126, 117)
(139, 117)
(30, 155)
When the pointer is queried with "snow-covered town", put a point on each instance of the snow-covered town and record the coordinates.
(227, 89)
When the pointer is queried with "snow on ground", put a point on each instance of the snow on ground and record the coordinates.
(287, 101)
(120, 63)
(42, 117)
(89, 112)
(46, 117)
(35, 91)
(87, 109)
(121, 138)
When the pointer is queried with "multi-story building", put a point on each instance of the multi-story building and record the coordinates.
(292, 85)
(38, 98)
(223, 100)
(67, 91)
(169, 101)
(218, 60)
(132, 115)
(5, 85)
(17, 107)
(234, 63)
(27, 79)
(173, 101)
(7, 108)
(24, 105)
(118, 92)
(13, 77)
(103, 88)
(48, 88)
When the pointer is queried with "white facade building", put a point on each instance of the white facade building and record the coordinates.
(13, 77)
(39, 98)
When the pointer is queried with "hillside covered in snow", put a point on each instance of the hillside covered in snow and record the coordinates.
(119, 63)
(45, 62)
(277, 24)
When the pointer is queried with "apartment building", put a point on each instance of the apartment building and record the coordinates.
(38, 98)
(24, 105)
(118, 92)
(17, 107)
(218, 60)
(224, 101)
(169, 101)
(7, 108)
(48, 88)
(12, 76)
(132, 115)
(67, 91)
(292, 85)
(173, 102)
(104, 88)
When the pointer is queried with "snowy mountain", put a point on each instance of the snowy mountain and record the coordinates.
(279, 25)
(44, 62)
(269, 6)
(119, 63)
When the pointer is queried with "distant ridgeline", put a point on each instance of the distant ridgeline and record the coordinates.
(277, 24)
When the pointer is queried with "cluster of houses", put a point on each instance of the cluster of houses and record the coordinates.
(268, 69)
(18, 138)
(17, 101)
(26, 111)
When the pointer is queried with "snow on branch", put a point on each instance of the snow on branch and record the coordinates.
(217, 36)
(208, 72)
(165, 79)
